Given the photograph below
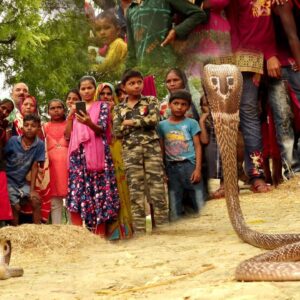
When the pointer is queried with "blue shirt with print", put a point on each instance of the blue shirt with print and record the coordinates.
(19, 161)
(178, 139)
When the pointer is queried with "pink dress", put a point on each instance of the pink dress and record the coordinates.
(210, 40)
(57, 148)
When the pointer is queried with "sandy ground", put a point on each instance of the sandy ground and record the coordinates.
(191, 259)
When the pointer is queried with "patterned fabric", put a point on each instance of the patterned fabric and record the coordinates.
(148, 24)
(144, 170)
(145, 115)
(93, 194)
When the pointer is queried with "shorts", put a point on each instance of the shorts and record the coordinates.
(19, 195)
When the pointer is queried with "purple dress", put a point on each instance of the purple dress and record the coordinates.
(93, 194)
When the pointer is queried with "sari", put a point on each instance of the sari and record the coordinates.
(122, 227)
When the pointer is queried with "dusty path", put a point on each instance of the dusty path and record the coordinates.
(192, 259)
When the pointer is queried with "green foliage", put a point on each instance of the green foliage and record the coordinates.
(44, 44)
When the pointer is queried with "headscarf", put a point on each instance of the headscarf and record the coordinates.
(18, 121)
(101, 87)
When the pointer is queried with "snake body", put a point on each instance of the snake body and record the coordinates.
(223, 87)
(6, 271)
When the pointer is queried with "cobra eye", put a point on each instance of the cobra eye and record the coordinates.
(214, 80)
(230, 80)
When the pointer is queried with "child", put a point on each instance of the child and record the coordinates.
(57, 148)
(72, 97)
(179, 138)
(24, 153)
(6, 107)
(107, 29)
(134, 122)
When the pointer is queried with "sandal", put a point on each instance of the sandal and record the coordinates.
(260, 186)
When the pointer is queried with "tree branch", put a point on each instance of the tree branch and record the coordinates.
(8, 41)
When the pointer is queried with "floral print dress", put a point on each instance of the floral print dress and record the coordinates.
(93, 194)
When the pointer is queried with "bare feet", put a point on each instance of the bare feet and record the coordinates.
(260, 186)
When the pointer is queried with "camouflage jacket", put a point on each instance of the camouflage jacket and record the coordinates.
(145, 115)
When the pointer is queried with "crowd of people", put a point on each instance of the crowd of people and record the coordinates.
(107, 151)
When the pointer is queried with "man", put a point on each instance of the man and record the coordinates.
(150, 31)
(18, 94)
(255, 46)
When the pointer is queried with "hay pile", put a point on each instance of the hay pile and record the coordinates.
(48, 237)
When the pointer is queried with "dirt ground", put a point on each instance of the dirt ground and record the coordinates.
(191, 259)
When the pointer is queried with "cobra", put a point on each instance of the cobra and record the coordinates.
(5, 270)
(223, 87)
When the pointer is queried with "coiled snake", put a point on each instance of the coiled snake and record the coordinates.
(5, 270)
(223, 87)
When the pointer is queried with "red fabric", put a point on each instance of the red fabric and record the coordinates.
(57, 148)
(77, 221)
(149, 86)
(270, 145)
(5, 208)
(252, 27)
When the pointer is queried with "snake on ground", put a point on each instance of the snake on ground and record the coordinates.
(5, 270)
(223, 88)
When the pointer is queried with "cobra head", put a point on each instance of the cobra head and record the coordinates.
(223, 87)
(5, 251)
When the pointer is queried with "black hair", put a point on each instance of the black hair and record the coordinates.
(180, 74)
(181, 94)
(61, 102)
(111, 17)
(6, 100)
(74, 91)
(32, 117)
(130, 74)
(91, 79)
(119, 89)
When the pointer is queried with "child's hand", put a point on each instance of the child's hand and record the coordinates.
(128, 123)
(204, 116)
(196, 176)
(84, 118)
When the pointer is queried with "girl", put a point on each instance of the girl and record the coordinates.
(175, 80)
(6, 107)
(72, 97)
(92, 194)
(122, 228)
(57, 147)
(107, 32)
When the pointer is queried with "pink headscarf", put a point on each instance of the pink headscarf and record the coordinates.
(93, 144)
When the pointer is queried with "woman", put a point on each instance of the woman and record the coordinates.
(92, 193)
(175, 80)
(122, 228)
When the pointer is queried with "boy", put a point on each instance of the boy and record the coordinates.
(134, 122)
(23, 153)
(179, 138)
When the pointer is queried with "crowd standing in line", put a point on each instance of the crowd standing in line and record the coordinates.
(105, 149)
